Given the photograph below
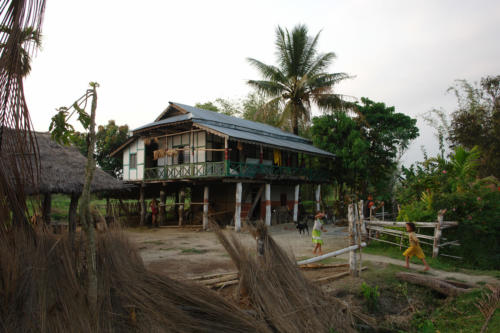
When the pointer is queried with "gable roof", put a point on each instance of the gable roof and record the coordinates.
(235, 128)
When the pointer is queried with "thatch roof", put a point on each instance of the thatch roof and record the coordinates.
(63, 170)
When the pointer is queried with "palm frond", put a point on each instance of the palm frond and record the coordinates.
(268, 88)
(268, 71)
(320, 63)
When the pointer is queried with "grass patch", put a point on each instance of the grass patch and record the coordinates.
(440, 263)
(193, 251)
(458, 315)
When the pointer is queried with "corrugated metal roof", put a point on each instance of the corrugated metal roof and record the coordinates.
(242, 129)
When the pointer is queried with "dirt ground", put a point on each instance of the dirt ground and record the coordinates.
(187, 252)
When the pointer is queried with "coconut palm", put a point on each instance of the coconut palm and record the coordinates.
(28, 39)
(299, 78)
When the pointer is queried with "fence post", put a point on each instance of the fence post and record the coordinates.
(352, 240)
(205, 207)
(437, 233)
(364, 233)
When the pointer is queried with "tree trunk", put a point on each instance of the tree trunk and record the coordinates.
(84, 207)
(440, 286)
(73, 206)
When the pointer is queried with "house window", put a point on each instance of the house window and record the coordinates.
(133, 161)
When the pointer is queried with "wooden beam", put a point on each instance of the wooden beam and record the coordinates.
(205, 207)
(296, 204)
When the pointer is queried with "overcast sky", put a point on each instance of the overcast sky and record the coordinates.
(146, 53)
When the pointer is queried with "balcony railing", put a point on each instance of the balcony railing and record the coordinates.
(233, 169)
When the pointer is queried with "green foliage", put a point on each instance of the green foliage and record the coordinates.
(29, 38)
(60, 130)
(299, 79)
(452, 184)
(108, 139)
(221, 105)
(371, 296)
(476, 121)
(367, 145)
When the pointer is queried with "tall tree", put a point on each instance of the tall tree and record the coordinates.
(29, 38)
(476, 121)
(299, 79)
(367, 145)
(19, 164)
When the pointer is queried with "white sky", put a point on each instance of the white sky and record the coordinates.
(146, 53)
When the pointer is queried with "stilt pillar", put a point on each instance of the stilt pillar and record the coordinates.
(162, 214)
(237, 210)
(296, 204)
(182, 198)
(73, 206)
(268, 204)
(142, 203)
(46, 208)
(205, 208)
(318, 198)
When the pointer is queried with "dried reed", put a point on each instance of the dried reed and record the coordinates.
(42, 288)
(279, 292)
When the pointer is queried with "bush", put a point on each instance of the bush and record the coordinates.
(371, 295)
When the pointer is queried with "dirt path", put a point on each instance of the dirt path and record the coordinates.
(183, 253)
(472, 279)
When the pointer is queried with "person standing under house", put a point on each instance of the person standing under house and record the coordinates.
(154, 212)
(316, 233)
(414, 249)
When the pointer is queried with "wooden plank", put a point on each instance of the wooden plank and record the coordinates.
(335, 276)
(399, 232)
(219, 279)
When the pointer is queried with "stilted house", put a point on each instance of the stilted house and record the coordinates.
(235, 166)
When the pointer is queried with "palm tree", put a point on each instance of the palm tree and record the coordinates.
(299, 79)
(28, 39)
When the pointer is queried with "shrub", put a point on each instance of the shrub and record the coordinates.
(371, 295)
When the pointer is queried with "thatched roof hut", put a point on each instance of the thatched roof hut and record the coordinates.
(63, 170)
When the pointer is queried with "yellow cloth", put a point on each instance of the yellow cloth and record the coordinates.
(277, 157)
(414, 249)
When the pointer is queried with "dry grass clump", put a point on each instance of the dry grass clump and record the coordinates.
(42, 288)
(279, 293)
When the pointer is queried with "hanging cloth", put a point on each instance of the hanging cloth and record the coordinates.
(277, 157)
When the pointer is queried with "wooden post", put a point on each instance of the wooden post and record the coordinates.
(182, 198)
(255, 201)
(318, 198)
(352, 240)
(364, 233)
(237, 210)
(162, 213)
(296, 204)
(437, 233)
(142, 202)
(73, 206)
(46, 208)
(268, 204)
(226, 156)
(205, 208)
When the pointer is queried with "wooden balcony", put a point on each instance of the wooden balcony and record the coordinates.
(229, 169)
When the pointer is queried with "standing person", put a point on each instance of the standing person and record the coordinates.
(154, 211)
(414, 249)
(316, 233)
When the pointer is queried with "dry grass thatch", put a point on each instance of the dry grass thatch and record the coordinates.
(63, 170)
(279, 292)
(42, 289)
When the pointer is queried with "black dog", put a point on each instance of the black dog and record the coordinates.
(302, 227)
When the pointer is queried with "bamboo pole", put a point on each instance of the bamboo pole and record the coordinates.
(330, 254)
(352, 239)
